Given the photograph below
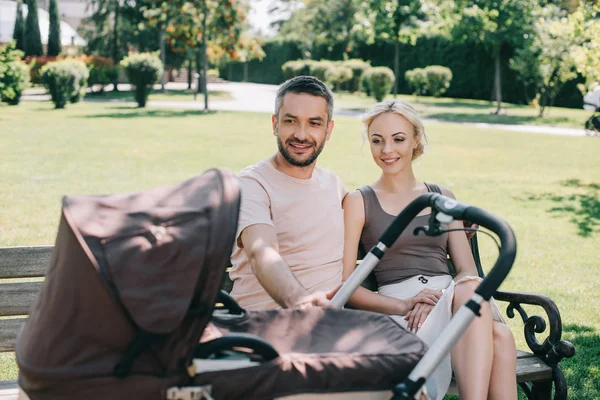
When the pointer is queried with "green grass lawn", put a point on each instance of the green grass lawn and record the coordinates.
(463, 110)
(546, 187)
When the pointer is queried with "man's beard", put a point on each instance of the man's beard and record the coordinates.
(290, 158)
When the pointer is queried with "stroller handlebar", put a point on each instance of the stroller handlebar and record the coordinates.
(440, 205)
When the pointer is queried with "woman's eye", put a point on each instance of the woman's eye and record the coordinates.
(376, 141)
(399, 140)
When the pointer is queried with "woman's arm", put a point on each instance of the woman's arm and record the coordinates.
(459, 248)
(354, 220)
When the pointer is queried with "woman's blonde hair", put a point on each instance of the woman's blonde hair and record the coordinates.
(403, 109)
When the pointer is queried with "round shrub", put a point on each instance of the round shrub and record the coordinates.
(438, 79)
(14, 79)
(143, 70)
(338, 76)
(14, 75)
(358, 67)
(59, 78)
(292, 69)
(381, 80)
(417, 81)
(81, 79)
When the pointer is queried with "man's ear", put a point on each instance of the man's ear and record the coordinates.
(274, 123)
(330, 126)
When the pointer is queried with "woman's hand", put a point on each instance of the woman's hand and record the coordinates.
(417, 316)
(426, 296)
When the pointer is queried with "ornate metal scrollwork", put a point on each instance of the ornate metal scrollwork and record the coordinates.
(553, 348)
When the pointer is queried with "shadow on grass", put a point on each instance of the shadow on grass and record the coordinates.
(125, 112)
(583, 208)
(582, 371)
(129, 95)
(499, 119)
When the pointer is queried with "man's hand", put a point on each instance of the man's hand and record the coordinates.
(317, 299)
(469, 224)
(417, 316)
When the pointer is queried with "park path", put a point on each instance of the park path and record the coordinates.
(254, 97)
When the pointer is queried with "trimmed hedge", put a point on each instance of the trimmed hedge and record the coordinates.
(381, 81)
(143, 71)
(14, 74)
(433, 80)
(103, 70)
(471, 64)
(60, 78)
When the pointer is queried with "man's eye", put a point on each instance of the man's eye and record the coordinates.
(316, 124)
(288, 121)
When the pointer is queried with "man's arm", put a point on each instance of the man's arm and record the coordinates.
(260, 244)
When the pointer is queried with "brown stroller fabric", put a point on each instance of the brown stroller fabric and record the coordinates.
(320, 351)
(129, 290)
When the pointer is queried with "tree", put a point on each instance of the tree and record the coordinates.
(211, 24)
(587, 56)
(549, 61)
(396, 21)
(496, 24)
(54, 43)
(19, 31)
(33, 40)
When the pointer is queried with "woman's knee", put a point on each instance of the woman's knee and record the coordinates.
(504, 342)
(464, 291)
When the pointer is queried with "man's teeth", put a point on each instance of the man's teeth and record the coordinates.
(301, 146)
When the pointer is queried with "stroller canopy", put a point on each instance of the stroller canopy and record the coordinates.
(131, 283)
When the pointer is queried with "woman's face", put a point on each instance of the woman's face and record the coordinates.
(392, 141)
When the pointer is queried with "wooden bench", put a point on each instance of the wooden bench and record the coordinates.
(538, 370)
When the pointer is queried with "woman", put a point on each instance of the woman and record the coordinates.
(414, 282)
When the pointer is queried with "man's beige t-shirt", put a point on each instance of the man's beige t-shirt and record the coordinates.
(308, 218)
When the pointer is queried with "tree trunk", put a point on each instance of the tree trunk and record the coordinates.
(498, 82)
(116, 44)
(396, 66)
(163, 58)
(246, 71)
(204, 56)
(190, 72)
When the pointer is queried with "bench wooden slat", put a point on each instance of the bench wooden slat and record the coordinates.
(17, 298)
(24, 262)
(532, 369)
(9, 328)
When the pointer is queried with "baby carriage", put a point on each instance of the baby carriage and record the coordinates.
(131, 309)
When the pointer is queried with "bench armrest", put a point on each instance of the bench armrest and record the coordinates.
(553, 348)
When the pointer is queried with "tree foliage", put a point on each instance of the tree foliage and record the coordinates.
(33, 40)
(54, 43)
(497, 25)
(19, 31)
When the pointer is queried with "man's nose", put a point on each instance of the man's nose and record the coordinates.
(301, 133)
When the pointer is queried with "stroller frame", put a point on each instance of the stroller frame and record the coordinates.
(444, 209)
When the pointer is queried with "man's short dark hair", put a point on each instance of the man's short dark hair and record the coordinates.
(305, 84)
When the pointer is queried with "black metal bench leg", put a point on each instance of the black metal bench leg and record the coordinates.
(541, 390)
(560, 383)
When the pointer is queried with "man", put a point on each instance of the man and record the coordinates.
(288, 251)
